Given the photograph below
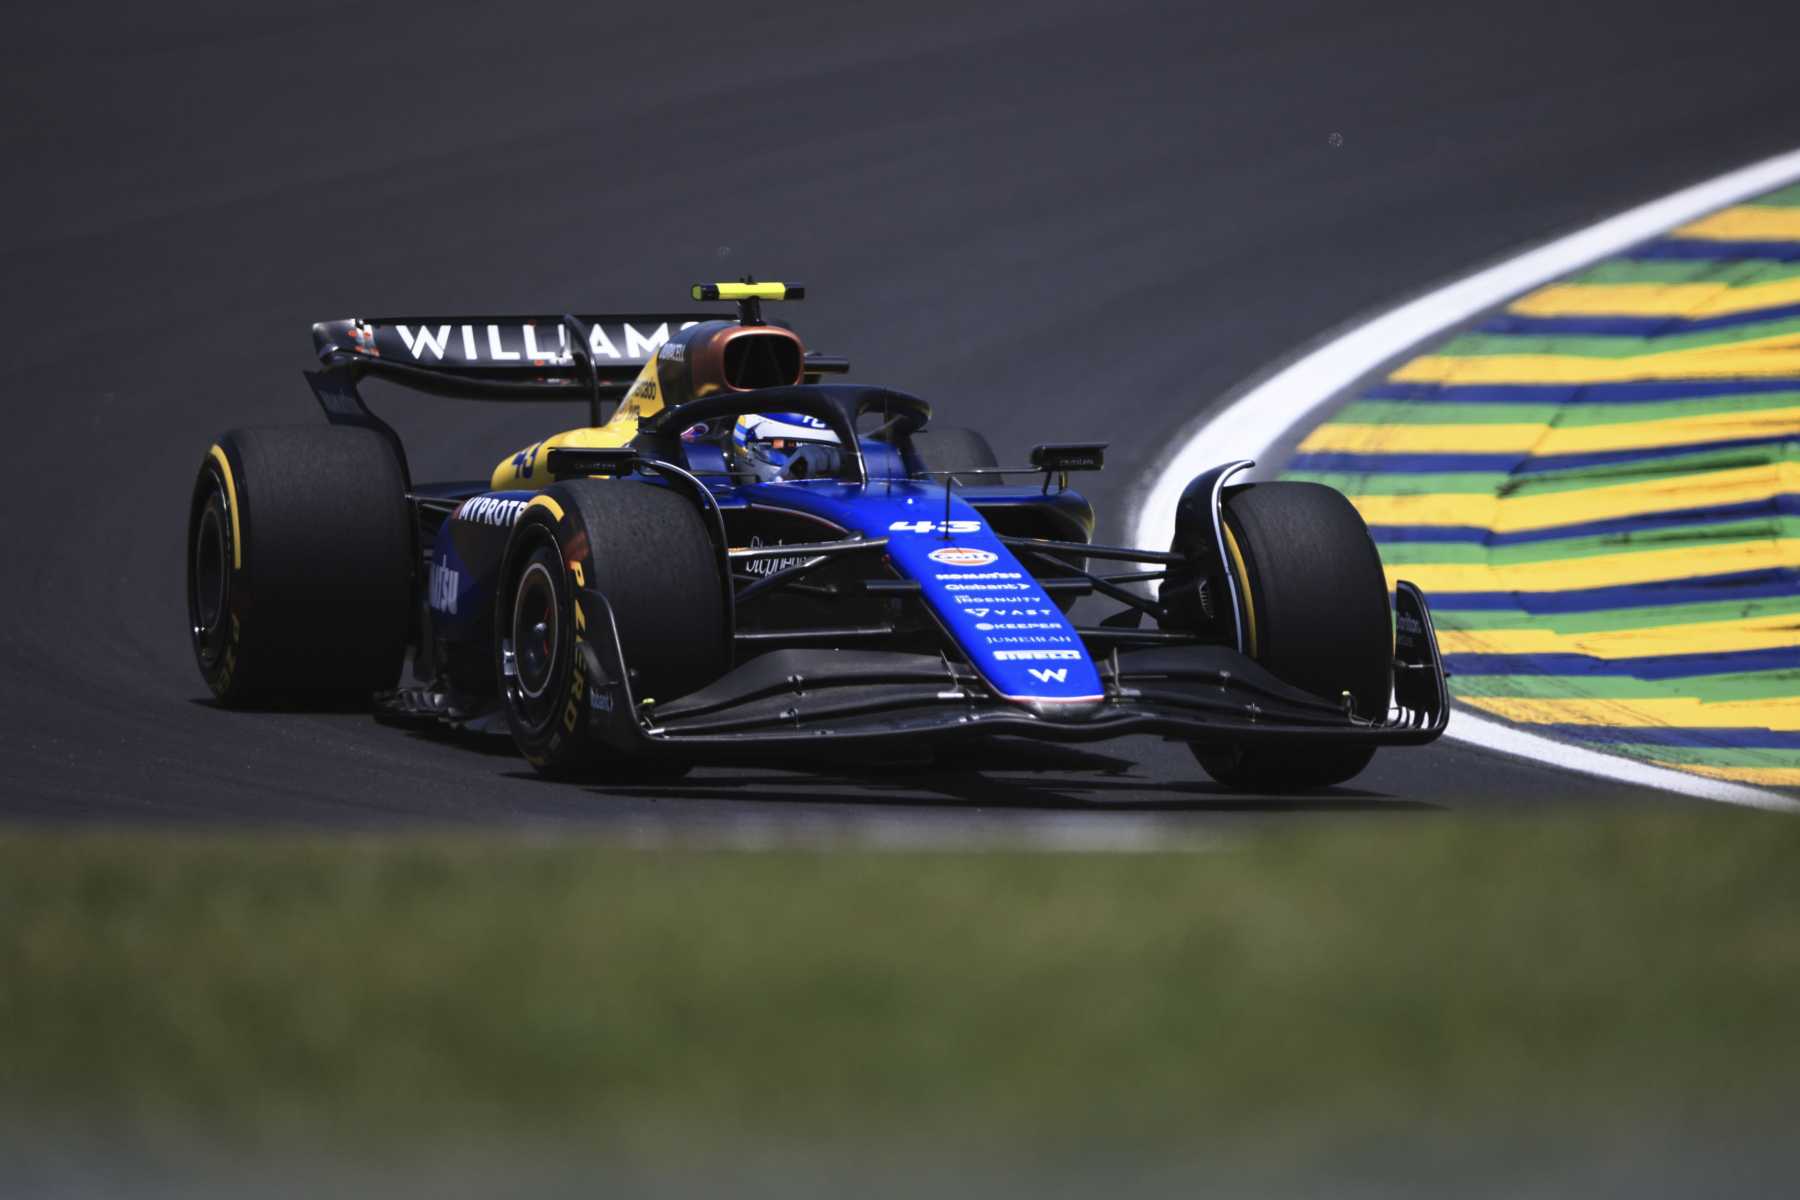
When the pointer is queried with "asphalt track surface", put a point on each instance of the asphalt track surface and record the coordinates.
(1058, 223)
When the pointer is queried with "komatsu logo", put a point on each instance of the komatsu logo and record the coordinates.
(444, 586)
(528, 343)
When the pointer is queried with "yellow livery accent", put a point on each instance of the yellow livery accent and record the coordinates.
(547, 503)
(1243, 583)
(237, 533)
(529, 468)
(740, 291)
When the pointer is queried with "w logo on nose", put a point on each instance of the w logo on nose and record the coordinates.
(1050, 674)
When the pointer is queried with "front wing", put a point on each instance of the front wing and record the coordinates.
(1206, 694)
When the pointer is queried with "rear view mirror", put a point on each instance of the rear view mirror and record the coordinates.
(1069, 456)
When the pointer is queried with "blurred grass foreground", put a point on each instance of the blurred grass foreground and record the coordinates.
(1297, 992)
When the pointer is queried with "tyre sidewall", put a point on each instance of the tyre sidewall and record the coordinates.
(551, 730)
(1355, 599)
(1323, 627)
(219, 649)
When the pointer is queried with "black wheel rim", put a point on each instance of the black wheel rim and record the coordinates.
(536, 633)
(209, 580)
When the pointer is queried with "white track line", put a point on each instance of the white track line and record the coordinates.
(1261, 414)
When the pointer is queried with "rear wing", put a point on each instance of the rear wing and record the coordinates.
(567, 357)
(501, 358)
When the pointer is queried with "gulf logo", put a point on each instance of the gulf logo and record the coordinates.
(963, 556)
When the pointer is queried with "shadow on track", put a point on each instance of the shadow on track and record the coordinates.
(969, 777)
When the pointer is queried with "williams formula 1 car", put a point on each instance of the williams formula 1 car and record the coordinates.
(741, 557)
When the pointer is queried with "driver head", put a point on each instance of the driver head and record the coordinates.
(783, 446)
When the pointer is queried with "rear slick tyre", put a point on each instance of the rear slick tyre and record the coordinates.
(1316, 615)
(299, 566)
(949, 449)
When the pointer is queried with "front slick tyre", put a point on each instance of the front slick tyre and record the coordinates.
(646, 549)
(1317, 617)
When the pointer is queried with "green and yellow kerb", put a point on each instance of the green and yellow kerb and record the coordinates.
(1599, 489)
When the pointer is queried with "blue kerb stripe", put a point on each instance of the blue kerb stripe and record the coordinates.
(1661, 666)
(1786, 504)
(1695, 589)
(1643, 327)
(1664, 248)
(1668, 735)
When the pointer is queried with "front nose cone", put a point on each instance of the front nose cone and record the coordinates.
(1065, 712)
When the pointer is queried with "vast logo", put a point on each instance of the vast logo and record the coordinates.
(963, 556)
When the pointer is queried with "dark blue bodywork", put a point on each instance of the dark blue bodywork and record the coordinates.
(989, 605)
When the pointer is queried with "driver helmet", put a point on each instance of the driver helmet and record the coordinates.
(780, 446)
